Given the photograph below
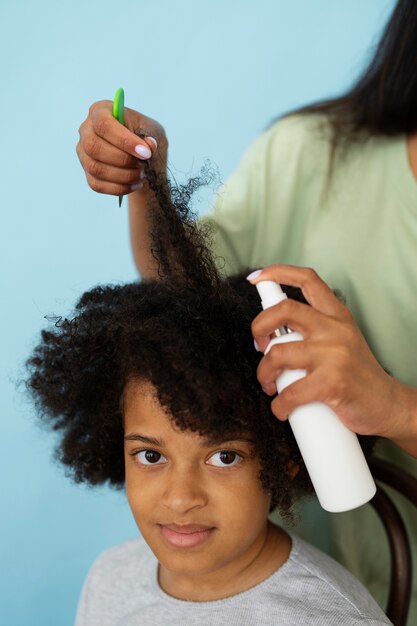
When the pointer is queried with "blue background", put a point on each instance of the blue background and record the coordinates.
(214, 74)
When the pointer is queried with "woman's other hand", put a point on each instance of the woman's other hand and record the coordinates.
(113, 155)
(341, 370)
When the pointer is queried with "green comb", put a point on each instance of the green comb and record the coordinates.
(119, 114)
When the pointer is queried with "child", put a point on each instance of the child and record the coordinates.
(153, 386)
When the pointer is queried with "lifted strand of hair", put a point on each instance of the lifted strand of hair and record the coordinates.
(178, 244)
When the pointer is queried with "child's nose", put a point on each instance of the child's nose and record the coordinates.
(183, 492)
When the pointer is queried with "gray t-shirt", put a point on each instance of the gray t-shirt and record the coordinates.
(310, 589)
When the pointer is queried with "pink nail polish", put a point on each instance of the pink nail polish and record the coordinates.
(143, 151)
(152, 140)
(253, 275)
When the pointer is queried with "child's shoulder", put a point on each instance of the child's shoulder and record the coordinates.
(120, 570)
(121, 579)
(327, 579)
(123, 559)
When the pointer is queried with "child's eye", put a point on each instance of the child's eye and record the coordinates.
(224, 458)
(150, 457)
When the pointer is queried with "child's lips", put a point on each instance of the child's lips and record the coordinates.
(186, 536)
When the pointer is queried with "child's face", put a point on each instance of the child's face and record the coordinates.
(199, 505)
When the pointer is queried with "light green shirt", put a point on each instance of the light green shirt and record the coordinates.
(358, 229)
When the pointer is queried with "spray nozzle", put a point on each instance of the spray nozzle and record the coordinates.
(271, 293)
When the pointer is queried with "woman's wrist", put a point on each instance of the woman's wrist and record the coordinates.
(404, 420)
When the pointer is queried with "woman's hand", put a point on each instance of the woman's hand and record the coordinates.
(112, 155)
(341, 370)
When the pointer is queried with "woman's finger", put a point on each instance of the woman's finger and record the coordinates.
(305, 355)
(303, 391)
(109, 173)
(296, 315)
(101, 150)
(317, 293)
(113, 189)
(108, 128)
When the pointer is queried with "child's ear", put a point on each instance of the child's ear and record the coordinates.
(292, 469)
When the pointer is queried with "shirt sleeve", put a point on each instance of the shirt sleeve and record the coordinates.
(260, 211)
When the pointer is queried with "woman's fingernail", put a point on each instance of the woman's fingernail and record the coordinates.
(136, 186)
(253, 275)
(142, 175)
(256, 345)
(152, 140)
(143, 151)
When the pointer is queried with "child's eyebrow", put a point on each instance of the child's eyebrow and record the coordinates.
(151, 440)
(213, 441)
(206, 441)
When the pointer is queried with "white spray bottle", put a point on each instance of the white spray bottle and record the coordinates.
(331, 452)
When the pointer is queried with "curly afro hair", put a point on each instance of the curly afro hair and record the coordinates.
(188, 333)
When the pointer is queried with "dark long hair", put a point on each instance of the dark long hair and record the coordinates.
(383, 101)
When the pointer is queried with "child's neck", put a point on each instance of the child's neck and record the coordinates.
(270, 552)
